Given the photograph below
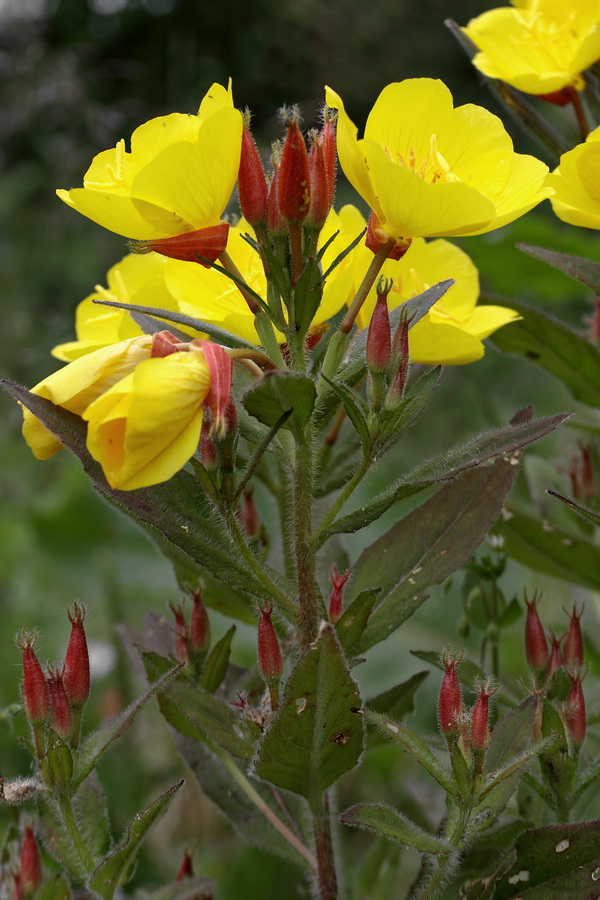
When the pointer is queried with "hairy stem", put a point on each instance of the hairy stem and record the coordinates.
(320, 535)
(327, 878)
(304, 554)
(75, 834)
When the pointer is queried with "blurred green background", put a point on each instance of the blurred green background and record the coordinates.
(77, 76)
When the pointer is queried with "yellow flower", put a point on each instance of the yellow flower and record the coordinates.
(427, 169)
(136, 279)
(576, 183)
(147, 426)
(451, 333)
(177, 178)
(75, 386)
(539, 47)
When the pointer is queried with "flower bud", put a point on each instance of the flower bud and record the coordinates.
(36, 697)
(180, 633)
(379, 341)
(31, 866)
(275, 220)
(319, 186)
(199, 635)
(76, 667)
(576, 717)
(336, 596)
(536, 646)
(573, 646)
(17, 891)
(203, 246)
(450, 697)
(294, 174)
(253, 190)
(400, 360)
(480, 717)
(556, 657)
(61, 718)
(208, 448)
(249, 515)
(185, 869)
(270, 662)
(329, 150)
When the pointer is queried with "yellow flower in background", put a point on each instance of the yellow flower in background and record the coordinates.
(178, 176)
(147, 426)
(76, 385)
(451, 333)
(538, 46)
(576, 184)
(136, 279)
(427, 169)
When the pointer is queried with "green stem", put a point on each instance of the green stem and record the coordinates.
(320, 534)
(284, 502)
(273, 591)
(455, 836)
(367, 283)
(76, 713)
(75, 835)
(304, 553)
(327, 878)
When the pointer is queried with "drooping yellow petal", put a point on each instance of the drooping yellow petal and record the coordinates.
(439, 344)
(576, 184)
(148, 425)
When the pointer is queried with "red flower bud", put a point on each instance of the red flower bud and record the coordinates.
(208, 243)
(480, 717)
(450, 698)
(36, 698)
(185, 869)
(270, 662)
(275, 220)
(164, 343)
(573, 646)
(31, 866)
(294, 174)
(377, 237)
(208, 448)
(61, 718)
(220, 366)
(336, 597)
(199, 625)
(76, 667)
(401, 359)
(576, 717)
(536, 646)
(180, 633)
(328, 142)
(319, 185)
(18, 893)
(249, 515)
(556, 657)
(253, 190)
(379, 340)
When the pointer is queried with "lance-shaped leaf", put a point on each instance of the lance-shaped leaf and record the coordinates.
(556, 347)
(217, 662)
(589, 514)
(446, 467)
(586, 271)
(279, 392)
(417, 398)
(177, 512)
(399, 700)
(353, 620)
(92, 815)
(115, 869)
(52, 835)
(543, 548)
(393, 824)
(412, 744)
(317, 734)
(307, 295)
(188, 889)
(429, 544)
(200, 714)
(375, 872)
(99, 741)
(497, 777)
(558, 862)
(55, 887)
(353, 406)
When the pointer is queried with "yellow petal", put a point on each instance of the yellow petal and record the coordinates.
(437, 344)
(486, 319)
(526, 188)
(575, 181)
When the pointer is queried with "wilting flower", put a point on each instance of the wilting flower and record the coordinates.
(147, 426)
(427, 169)
(541, 46)
(576, 184)
(177, 178)
(76, 385)
(451, 333)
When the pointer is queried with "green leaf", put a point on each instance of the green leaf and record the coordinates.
(543, 548)
(200, 714)
(391, 823)
(376, 872)
(589, 514)
(116, 867)
(188, 889)
(54, 887)
(276, 393)
(92, 816)
(217, 334)
(317, 734)
(96, 744)
(578, 267)
(498, 776)
(352, 403)
(307, 295)
(52, 835)
(427, 545)
(353, 620)
(555, 347)
(217, 662)
(413, 745)
(487, 446)
(398, 421)
(552, 863)
(399, 700)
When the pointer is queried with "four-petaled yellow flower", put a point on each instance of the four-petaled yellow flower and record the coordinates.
(576, 183)
(177, 178)
(427, 169)
(451, 333)
(539, 46)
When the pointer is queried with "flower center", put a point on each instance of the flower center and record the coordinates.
(433, 167)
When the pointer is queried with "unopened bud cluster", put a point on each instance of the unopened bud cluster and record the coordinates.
(387, 355)
(191, 640)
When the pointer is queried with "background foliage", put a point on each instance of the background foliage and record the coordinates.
(74, 78)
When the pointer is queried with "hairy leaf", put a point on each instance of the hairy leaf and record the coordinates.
(278, 392)
(413, 745)
(388, 821)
